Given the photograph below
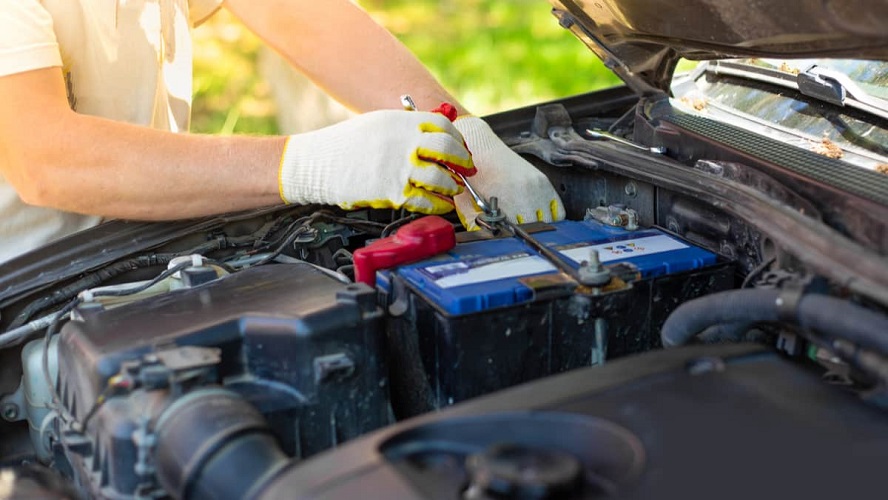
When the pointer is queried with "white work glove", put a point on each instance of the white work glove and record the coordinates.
(383, 159)
(524, 193)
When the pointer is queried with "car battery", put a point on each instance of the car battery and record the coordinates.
(494, 313)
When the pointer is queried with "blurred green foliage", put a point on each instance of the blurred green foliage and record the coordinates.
(492, 54)
(229, 93)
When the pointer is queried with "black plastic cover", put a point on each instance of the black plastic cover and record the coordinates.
(730, 422)
(302, 347)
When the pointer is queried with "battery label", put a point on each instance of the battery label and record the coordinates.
(488, 274)
(623, 249)
(484, 269)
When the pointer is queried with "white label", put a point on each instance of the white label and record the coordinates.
(485, 269)
(470, 273)
(626, 249)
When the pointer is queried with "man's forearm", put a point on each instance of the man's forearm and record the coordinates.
(102, 167)
(343, 50)
(56, 158)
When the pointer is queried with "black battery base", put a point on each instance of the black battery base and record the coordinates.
(438, 359)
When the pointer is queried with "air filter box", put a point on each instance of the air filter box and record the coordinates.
(302, 347)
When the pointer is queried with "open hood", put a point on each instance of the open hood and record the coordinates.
(642, 40)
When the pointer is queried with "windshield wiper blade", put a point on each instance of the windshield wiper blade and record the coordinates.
(838, 88)
(817, 82)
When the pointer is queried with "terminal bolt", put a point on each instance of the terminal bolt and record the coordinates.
(631, 220)
(614, 215)
(493, 214)
(592, 272)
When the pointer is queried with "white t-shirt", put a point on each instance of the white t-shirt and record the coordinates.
(126, 60)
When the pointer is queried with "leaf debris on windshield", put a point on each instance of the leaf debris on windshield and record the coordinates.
(786, 68)
(828, 148)
(698, 103)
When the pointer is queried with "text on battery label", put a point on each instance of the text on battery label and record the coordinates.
(625, 249)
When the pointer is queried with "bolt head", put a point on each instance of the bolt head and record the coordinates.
(631, 190)
(10, 411)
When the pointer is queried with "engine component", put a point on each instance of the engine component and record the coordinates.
(299, 346)
(491, 314)
(614, 215)
(691, 422)
(832, 316)
(206, 436)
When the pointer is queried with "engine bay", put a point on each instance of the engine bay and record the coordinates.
(247, 344)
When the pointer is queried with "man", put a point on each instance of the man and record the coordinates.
(94, 93)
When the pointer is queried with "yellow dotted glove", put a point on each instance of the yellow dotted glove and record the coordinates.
(525, 194)
(383, 159)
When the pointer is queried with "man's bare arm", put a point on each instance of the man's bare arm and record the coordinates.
(343, 50)
(56, 158)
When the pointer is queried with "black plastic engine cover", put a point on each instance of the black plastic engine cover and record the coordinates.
(302, 347)
(697, 422)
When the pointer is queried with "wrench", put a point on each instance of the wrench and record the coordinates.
(408, 105)
(597, 134)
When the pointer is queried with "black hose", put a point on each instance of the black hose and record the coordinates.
(829, 316)
(735, 306)
(841, 319)
(212, 444)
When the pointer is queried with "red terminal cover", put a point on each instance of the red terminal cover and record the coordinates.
(415, 241)
(448, 110)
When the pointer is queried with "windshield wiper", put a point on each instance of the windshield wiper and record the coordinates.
(817, 82)
(837, 88)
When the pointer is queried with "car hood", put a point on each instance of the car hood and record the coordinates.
(642, 40)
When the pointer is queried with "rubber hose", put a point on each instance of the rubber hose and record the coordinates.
(734, 306)
(839, 318)
(724, 332)
(829, 316)
(212, 444)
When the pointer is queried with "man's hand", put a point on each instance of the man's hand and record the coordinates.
(383, 159)
(524, 193)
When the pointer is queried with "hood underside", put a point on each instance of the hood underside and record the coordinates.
(642, 40)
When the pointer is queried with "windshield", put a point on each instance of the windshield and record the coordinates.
(762, 95)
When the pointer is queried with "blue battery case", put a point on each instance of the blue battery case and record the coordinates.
(483, 275)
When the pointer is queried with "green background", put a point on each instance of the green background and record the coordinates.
(493, 55)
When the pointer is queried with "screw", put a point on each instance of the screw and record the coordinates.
(594, 260)
(10, 411)
(631, 190)
(673, 225)
(615, 215)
